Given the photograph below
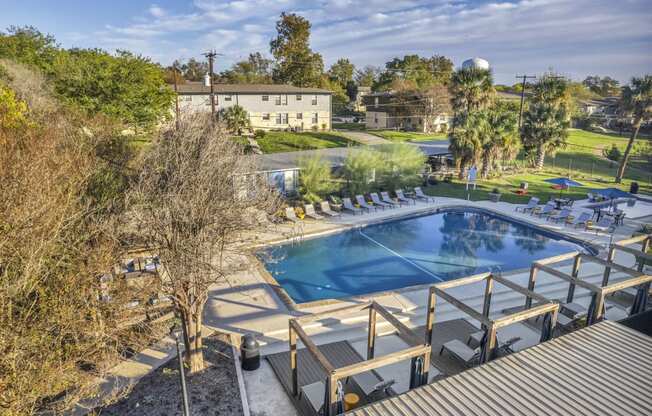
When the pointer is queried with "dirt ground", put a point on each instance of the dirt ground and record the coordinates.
(213, 392)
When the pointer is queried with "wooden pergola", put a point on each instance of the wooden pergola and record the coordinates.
(544, 306)
(636, 276)
(417, 349)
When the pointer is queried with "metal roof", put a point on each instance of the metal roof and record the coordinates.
(601, 370)
(200, 88)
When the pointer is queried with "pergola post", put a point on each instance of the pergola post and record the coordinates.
(530, 285)
(371, 336)
(426, 368)
(331, 406)
(293, 361)
(491, 343)
(645, 246)
(599, 304)
(430, 315)
(607, 268)
(488, 288)
(575, 273)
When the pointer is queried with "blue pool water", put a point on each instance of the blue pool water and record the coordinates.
(407, 252)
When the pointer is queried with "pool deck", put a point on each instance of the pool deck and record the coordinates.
(246, 302)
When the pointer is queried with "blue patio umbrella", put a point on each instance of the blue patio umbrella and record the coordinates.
(612, 193)
(565, 183)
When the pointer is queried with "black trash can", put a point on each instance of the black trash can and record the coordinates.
(633, 188)
(250, 352)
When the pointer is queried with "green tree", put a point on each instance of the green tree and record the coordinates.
(296, 63)
(314, 178)
(603, 86)
(366, 77)
(193, 70)
(400, 165)
(422, 72)
(466, 140)
(340, 97)
(547, 118)
(360, 170)
(236, 119)
(255, 70)
(636, 102)
(500, 138)
(28, 46)
(342, 72)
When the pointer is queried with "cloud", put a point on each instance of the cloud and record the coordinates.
(515, 36)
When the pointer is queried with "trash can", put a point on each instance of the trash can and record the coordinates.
(633, 188)
(250, 352)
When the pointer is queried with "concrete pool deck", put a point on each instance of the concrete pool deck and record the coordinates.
(246, 302)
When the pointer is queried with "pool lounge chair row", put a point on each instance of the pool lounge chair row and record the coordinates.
(550, 213)
(309, 211)
(383, 201)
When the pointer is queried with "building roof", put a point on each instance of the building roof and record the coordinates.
(200, 88)
(600, 370)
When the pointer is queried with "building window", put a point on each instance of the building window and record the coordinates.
(315, 118)
(277, 100)
(375, 101)
(314, 100)
(227, 98)
(298, 97)
(282, 118)
(299, 116)
(265, 97)
(281, 100)
(266, 116)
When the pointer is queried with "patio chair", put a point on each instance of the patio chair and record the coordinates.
(314, 395)
(566, 324)
(545, 210)
(420, 195)
(326, 209)
(335, 202)
(401, 197)
(605, 224)
(388, 200)
(470, 356)
(363, 204)
(376, 200)
(580, 219)
(347, 205)
(290, 215)
(531, 205)
(309, 209)
(562, 216)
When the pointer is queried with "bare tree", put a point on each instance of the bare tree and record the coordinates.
(195, 196)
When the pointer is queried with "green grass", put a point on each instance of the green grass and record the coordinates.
(349, 126)
(587, 166)
(281, 141)
(403, 136)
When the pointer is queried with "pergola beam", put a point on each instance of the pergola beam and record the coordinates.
(612, 265)
(310, 346)
(633, 251)
(567, 277)
(624, 284)
(462, 281)
(405, 333)
(463, 306)
(377, 362)
(333, 312)
(520, 289)
(525, 314)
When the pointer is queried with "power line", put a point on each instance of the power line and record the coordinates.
(520, 111)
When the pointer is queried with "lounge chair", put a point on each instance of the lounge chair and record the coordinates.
(290, 215)
(309, 209)
(605, 224)
(335, 202)
(363, 204)
(376, 200)
(389, 200)
(314, 395)
(347, 205)
(531, 205)
(545, 211)
(580, 219)
(562, 216)
(470, 356)
(401, 197)
(420, 195)
(326, 209)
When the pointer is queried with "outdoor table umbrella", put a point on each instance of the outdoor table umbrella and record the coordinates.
(565, 183)
(612, 193)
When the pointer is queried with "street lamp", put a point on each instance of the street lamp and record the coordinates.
(174, 332)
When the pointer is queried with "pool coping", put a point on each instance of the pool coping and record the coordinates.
(303, 306)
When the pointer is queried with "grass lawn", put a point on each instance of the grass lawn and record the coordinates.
(349, 126)
(403, 136)
(282, 141)
(587, 166)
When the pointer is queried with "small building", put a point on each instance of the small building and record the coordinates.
(358, 103)
(270, 107)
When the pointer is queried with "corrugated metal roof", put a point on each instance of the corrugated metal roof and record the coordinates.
(605, 369)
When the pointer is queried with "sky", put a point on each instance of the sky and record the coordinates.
(573, 37)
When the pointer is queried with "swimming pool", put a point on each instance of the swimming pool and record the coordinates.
(444, 245)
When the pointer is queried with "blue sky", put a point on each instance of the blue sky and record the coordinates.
(573, 37)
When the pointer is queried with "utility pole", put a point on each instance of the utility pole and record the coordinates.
(520, 111)
(211, 57)
(176, 97)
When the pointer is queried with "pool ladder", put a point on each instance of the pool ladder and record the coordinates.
(297, 234)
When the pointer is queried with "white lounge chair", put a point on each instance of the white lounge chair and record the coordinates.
(605, 224)
(401, 197)
(326, 209)
(309, 209)
(290, 215)
(376, 200)
(531, 205)
(314, 395)
(580, 219)
(470, 356)
(545, 211)
(348, 206)
(562, 216)
(363, 204)
(419, 193)
(388, 200)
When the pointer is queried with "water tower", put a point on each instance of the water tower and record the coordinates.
(477, 63)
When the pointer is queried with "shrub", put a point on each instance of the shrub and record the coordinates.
(400, 165)
(314, 178)
(613, 153)
(360, 170)
(259, 134)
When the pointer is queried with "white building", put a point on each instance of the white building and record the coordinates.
(270, 107)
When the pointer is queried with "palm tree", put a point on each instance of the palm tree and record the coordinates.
(501, 137)
(466, 141)
(547, 118)
(636, 101)
(236, 119)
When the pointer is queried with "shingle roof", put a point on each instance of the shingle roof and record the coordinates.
(601, 370)
(200, 88)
